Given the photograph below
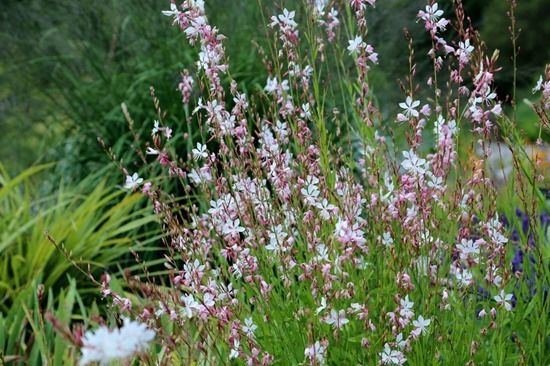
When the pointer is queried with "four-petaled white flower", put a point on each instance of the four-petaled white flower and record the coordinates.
(200, 152)
(133, 181)
(233, 227)
(191, 305)
(288, 18)
(337, 319)
(433, 13)
(504, 299)
(464, 51)
(277, 237)
(387, 240)
(469, 249)
(409, 107)
(208, 300)
(322, 254)
(249, 327)
(406, 308)
(391, 357)
(325, 209)
(464, 277)
(285, 20)
(355, 45)
(421, 324)
(400, 342)
(319, 6)
(306, 112)
(413, 164)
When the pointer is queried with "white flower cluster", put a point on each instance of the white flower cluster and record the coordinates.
(104, 345)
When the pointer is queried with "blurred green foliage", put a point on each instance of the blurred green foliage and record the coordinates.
(67, 66)
(533, 35)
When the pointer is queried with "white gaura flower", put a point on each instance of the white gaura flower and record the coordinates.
(201, 176)
(133, 181)
(413, 164)
(438, 126)
(235, 350)
(316, 353)
(387, 240)
(200, 152)
(337, 319)
(105, 345)
(233, 227)
(326, 209)
(421, 325)
(191, 305)
(322, 253)
(306, 112)
(271, 85)
(400, 342)
(323, 305)
(504, 299)
(464, 51)
(249, 327)
(277, 237)
(156, 126)
(469, 249)
(538, 87)
(433, 13)
(463, 276)
(406, 308)
(319, 6)
(197, 4)
(409, 107)
(285, 20)
(208, 300)
(173, 12)
(310, 193)
(391, 357)
(355, 45)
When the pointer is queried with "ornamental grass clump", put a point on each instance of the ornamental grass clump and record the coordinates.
(309, 233)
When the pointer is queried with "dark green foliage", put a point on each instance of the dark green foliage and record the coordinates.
(533, 39)
(76, 62)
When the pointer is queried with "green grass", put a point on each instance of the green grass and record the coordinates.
(27, 337)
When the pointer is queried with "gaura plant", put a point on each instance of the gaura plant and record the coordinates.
(307, 235)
